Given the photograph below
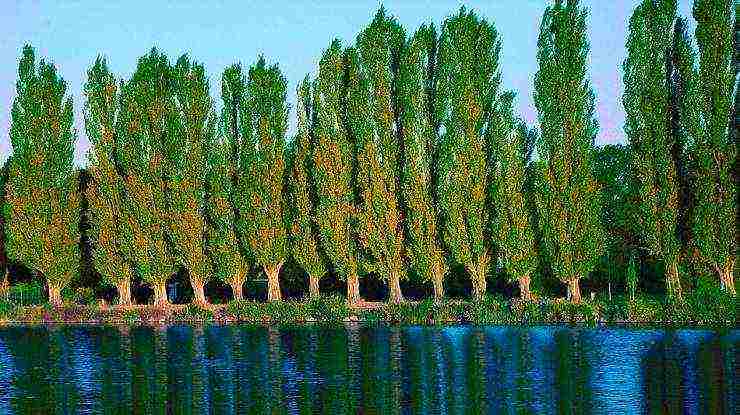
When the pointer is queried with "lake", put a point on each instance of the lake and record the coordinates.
(366, 369)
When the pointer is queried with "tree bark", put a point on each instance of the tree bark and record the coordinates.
(273, 282)
(438, 284)
(160, 294)
(727, 278)
(313, 286)
(4, 285)
(55, 295)
(574, 290)
(478, 278)
(673, 283)
(124, 292)
(394, 284)
(198, 290)
(353, 289)
(524, 290)
(237, 291)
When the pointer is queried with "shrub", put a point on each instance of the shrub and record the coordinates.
(27, 293)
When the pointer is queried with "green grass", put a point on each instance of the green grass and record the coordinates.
(701, 308)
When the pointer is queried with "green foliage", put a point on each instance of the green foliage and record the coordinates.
(611, 168)
(371, 115)
(631, 277)
(332, 163)
(110, 232)
(568, 197)
(327, 309)
(420, 142)
(147, 127)
(195, 121)
(713, 151)
(301, 206)
(27, 293)
(42, 206)
(467, 86)
(260, 192)
(228, 264)
(512, 232)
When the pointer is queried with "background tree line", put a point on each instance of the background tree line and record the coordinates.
(409, 168)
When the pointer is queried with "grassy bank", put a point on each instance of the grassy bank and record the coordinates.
(694, 311)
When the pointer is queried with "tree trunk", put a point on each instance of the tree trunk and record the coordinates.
(394, 284)
(160, 294)
(673, 283)
(124, 292)
(574, 291)
(198, 290)
(353, 289)
(478, 278)
(727, 278)
(313, 286)
(237, 290)
(273, 282)
(55, 295)
(524, 290)
(4, 285)
(438, 284)
(610, 291)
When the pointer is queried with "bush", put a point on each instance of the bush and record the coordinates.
(80, 296)
(328, 309)
(27, 293)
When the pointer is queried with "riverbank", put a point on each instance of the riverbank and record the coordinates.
(329, 309)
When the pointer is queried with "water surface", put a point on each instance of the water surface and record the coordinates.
(370, 370)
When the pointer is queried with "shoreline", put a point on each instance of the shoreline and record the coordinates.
(334, 311)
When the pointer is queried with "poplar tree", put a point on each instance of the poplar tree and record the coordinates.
(512, 232)
(568, 197)
(420, 142)
(147, 126)
(42, 207)
(301, 206)
(228, 264)
(714, 153)
(647, 101)
(110, 231)
(467, 89)
(332, 163)
(262, 181)
(234, 129)
(195, 125)
(371, 114)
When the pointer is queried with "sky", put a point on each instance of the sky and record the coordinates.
(292, 33)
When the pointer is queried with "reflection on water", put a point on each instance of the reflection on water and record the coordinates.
(368, 370)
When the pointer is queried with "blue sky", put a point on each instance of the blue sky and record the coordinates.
(291, 33)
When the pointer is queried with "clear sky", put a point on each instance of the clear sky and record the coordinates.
(290, 32)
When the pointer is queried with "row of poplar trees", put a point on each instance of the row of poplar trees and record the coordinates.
(408, 159)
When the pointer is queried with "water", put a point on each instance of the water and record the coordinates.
(379, 370)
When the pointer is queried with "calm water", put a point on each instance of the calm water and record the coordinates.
(353, 369)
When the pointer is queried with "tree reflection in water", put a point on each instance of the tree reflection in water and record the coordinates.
(361, 369)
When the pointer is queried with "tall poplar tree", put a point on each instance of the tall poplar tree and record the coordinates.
(512, 232)
(147, 127)
(42, 207)
(261, 186)
(110, 231)
(301, 206)
(568, 197)
(467, 89)
(420, 140)
(332, 161)
(228, 263)
(647, 101)
(372, 117)
(714, 153)
(187, 170)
